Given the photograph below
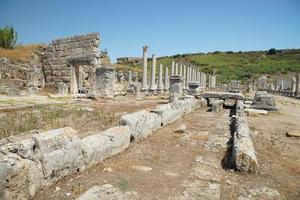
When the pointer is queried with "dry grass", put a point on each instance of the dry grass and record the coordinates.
(20, 53)
(50, 117)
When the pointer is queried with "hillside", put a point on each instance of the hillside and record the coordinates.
(239, 65)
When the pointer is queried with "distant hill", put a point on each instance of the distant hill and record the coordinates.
(239, 65)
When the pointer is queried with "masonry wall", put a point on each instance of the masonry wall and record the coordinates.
(60, 51)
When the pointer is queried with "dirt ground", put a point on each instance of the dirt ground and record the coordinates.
(170, 165)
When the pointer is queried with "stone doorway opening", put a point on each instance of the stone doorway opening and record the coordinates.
(80, 75)
(82, 72)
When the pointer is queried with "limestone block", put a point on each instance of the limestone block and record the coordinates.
(23, 148)
(141, 123)
(252, 111)
(105, 81)
(186, 105)
(243, 150)
(264, 100)
(243, 153)
(60, 152)
(19, 178)
(217, 105)
(107, 192)
(105, 144)
(167, 113)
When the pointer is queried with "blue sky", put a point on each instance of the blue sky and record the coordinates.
(168, 27)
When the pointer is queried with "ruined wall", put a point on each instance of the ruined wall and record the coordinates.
(60, 51)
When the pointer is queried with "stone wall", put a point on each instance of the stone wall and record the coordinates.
(27, 165)
(57, 55)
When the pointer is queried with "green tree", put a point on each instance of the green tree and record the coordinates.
(272, 51)
(8, 37)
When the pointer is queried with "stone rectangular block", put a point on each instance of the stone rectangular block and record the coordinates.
(60, 152)
(167, 113)
(141, 124)
(105, 144)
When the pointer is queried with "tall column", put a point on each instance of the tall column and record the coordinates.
(166, 85)
(297, 85)
(144, 77)
(153, 73)
(176, 69)
(160, 85)
(129, 77)
(191, 74)
(184, 77)
(180, 70)
(173, 68)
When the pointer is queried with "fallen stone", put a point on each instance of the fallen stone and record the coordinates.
(229, 102)
(107, 192)
(244, 157)
(180, 129)
(217, 105)
(141, 168)
(253, 112)
(264, 100)
(141, 124)
(105, 144)
(60, 152)
(167, 113)
(293, 134)
(19, 178)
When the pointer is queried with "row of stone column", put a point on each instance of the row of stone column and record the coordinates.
(289, 84)
(188, 74)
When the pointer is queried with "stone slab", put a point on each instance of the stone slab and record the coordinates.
(60, 152)
(141, 123)
(105, 144)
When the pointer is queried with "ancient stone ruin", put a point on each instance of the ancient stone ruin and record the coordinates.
(173, 111)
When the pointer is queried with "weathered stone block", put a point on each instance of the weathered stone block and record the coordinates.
(141, 124)
(167, 113)
(244, 157)
(105, 144)
(264, 100)
(105, 81)
(217, 105)
(60, 152)
(19, 178)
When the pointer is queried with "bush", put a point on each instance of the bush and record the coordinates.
(272, 51)
(8, 37)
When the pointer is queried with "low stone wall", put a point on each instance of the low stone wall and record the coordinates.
(28, 165)
(244, 157)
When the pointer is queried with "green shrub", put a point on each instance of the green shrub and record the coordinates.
(8, 37)
(272, 51)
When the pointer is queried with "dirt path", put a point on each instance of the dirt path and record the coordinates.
(170, 165)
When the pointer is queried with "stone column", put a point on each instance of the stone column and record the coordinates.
(213, 81)
(184, 77)
(297, 85)
(195, 74)
(176, 69)
(153, 73)
(191, 75)
(73, 83)
(166, 85)
(173, 68)
(144, 77)
(160, 86)
(129, 77)
(180, 71)
(209, 81)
